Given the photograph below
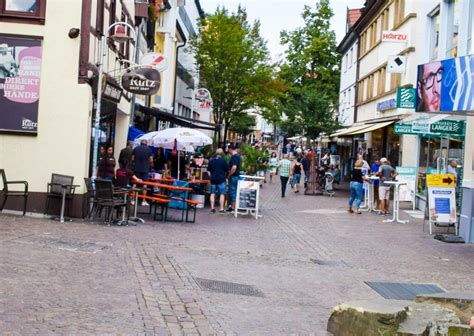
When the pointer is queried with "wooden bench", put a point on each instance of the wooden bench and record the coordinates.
(157, 202)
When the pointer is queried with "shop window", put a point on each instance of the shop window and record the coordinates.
(23, 11)
(453, 28)
(434, 19)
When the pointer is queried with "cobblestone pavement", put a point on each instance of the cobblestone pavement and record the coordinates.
(83, 278)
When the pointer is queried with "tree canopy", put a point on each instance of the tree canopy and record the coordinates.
(311, 70)
(234, 65)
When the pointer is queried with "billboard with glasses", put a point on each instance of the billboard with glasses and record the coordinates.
(446, 86)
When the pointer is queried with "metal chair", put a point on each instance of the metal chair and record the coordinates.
(91, 197)
(106, 197)
(55, 190)
(14, 193)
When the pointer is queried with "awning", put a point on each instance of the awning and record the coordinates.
(177, 120)
(372, 127)
(346, 131)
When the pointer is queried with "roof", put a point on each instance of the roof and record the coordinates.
(352, 16)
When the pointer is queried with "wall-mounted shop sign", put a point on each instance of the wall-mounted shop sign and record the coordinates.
(406, 98)
(446, 86)
(155, 60)
(20, 68)
(111, 92)
(143, 81)
(387, 105)
(393, 36)
(441, 127)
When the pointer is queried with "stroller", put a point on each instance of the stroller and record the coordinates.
(329, 184)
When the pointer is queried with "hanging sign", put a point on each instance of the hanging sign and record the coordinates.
(203, 100)
(406, 98)
(393, 36)
(143, 81)
(155, 60)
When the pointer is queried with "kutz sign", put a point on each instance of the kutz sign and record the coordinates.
(143, 81)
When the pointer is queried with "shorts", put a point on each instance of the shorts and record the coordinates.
(142, 176)
(384, 193)
(296, 179)
(221, 188)
(233, 181)
(273, 170)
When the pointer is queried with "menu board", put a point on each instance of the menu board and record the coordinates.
(247, 195)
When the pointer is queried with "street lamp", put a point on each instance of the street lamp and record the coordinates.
(119, 36)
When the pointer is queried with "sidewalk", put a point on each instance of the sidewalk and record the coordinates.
(305, 255)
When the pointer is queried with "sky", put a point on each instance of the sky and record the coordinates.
(278, 15)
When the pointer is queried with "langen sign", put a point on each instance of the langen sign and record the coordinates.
(393, 36)
(143, 81)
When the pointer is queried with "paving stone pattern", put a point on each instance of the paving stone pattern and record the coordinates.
(305, 256)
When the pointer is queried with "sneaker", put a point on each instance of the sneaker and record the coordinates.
(221, 211)
(229, 209)
(213, 210)
(145, 203)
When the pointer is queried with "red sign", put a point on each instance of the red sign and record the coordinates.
(393, 36)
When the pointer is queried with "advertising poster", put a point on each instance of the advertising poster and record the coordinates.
(442, 205)
(408, 176)
(446, 86)
(20, 69)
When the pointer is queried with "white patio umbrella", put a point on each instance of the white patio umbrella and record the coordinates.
(181, 138)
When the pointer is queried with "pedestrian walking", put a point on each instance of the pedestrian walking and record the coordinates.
(284, 169)
(273, 163)
(218, 169)
(234, 174)
(305, 162)
(356, 187)
(296, 173)
(107, 165)
(386, 174)
(125, 156)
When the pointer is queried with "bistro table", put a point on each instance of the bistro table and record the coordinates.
(64, 188)
(396, 202)
(135, 218)
(370, 204)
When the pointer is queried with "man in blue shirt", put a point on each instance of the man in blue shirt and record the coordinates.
(142, 158)
(233, 176)
(374, 170)
(218, 168)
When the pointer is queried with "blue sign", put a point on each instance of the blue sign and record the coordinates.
(387, 105)
(442, 206)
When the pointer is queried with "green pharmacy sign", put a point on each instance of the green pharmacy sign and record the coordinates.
(441, 127)
(406, 98)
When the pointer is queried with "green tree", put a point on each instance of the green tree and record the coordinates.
(234, 64)
(311, 69)
(243, 124)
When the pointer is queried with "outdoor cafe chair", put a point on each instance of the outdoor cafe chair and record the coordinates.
(13, 193)
(55, 190)
(109, 198)
(91, 197)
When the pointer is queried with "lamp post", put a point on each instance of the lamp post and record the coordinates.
(121, 36)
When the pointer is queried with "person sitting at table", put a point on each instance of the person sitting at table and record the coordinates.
(173, 165)
(124, 176)
(218, 169)
(160, 163)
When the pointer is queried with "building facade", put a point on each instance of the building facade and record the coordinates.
(55, 46)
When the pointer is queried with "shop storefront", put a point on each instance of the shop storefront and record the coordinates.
(440, 148)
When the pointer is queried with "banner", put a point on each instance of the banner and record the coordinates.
(446, 86)
(20, 69)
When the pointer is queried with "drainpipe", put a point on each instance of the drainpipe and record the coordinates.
(176, 75)
(136, 60)
(356, 90)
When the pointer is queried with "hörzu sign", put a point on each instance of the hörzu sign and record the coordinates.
(393, 36)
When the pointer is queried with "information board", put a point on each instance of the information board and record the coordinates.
(408, 176)
(247, 195)
(442, 205)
